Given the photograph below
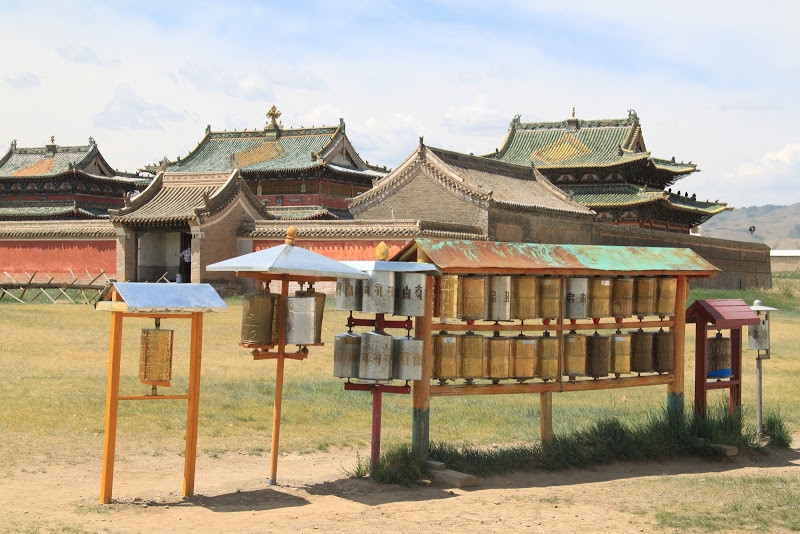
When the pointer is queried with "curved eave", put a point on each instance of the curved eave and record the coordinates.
(618, 201)
(703, 208)
(538, 207)
(624, 159)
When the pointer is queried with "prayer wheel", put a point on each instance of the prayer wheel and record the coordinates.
(644, 296)
(664, 351)
(257, 318)
(319, 309)
(376, 356)
(574, 354)
(474, 363)
(410, 294)
(598, 349)
(446, 358)
(304, 318)
(575, 297)
(346, 355)
(719, 357)
(500, 298)
(155, 357)
(665, 296)
(622, 297)
(378, 295)
(498, 356)
(407, 357)
(598, 301)
(620, 354)
(473, 297)
(549, 292)
(523, 357)
(349, 292)
(445, 305)
(642, 351)
(524, 302)
(547, 349)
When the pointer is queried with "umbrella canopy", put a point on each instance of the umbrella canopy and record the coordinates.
(288, 259)
(142, 297)
(395, 266)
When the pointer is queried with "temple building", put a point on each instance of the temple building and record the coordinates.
(605, 165)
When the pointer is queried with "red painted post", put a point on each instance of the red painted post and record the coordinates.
(377, 400)
(700, 366)
(735, 397)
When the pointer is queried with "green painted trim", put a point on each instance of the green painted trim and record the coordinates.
(420, 432)
(675, 401)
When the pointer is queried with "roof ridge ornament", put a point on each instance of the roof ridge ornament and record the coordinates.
(382, 252)
(273, 114)
(633, 118)
(291, 232)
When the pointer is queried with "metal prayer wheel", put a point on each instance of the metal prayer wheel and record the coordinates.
(473, 360)
(644, 296)
(410, 294)
(523, 357)
(500, 298)
(549, 297)
(574, 354)
(622, 297)
(524, 302)
(378, 294)
(376, 356)
(346, 355)
(155, 356)
(257, 318)
(575, 294)
(304, 313)
(446, 358)
(665, 296)
(498, 356)
(620, 354)
(663, 351)
(473, 297)
(407, 357)
(719, 356)
(547, 349)
(445, 305)
(642, 351)
(598, 302)
(349, 292)
(598, 351)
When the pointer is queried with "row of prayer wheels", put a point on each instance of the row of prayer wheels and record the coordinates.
(472, 356)
(503, 298)
(377, 356)
(303, 312)
(387, 292)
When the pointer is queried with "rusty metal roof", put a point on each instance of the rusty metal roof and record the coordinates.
(722, 313)
(489, 257)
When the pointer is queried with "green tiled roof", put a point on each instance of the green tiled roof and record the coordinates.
(614, 195)
(50, 210)
(301, 213)
(697, 206)
(49, 160)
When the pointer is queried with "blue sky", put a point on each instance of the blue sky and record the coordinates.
(713, 82)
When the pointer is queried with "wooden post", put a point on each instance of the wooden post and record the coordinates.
(112, 405)
(375, 454)
(420, 424)
(546, 416)
(193, 410)
(675, 389)
(700, 366)
(276, 412)
(735, 397)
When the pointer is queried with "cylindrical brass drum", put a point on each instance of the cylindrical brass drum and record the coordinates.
(301, 320)
(576, 290)
(547, 349)
(407, 357)
(446, 358)
(155, 357)
(500, 298)
(598, 303)
(598, 349)
(349, 292)
(257, 310)
(664, 351)
(445, 305)
(622, 297)
(620, 354)
(378, 292)
(473, 297)
(719, 357)
(473, 359)
(549, 292)
(665, 296)
(644, 296)
(524, 302)
(574, 354)
(376, 356)
(523, 357)
(319, 309)
(410, 294)
(498, 356)
(346, 355)
(642, 351)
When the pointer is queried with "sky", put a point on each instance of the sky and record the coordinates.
(713, 82)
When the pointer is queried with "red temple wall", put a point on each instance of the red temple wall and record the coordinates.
(56, 257)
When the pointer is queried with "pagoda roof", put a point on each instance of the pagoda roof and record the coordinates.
(301, 213)
(625, 195)
(51, 209)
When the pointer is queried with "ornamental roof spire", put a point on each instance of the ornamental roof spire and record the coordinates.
(273, 114)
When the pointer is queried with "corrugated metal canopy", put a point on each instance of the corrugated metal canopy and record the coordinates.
(145, 297)
(467, 256)
(395, 266)
(288, 259)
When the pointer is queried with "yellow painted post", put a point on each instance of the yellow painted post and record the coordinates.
(546, 416)
(112, 404)
(675, 389)
(193, 409)
(276, 412)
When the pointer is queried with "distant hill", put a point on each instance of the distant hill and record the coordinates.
(776, 226)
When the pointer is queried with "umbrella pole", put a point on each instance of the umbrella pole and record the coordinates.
(276, 412)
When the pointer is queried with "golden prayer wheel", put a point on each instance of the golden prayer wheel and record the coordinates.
(473, 297)
(642, 351)
(547, 349)
(445, 303)
(644, 296)
(410, 294)
(304, 313)
(622, 297)
(523, 357)
(257, 318)
(620, 354)
(155, 356)
(549, 292)
(598, 300)
(574, 354)
(499, 298)
(498, 356)
(576, 290)
(349, 292)
(666, 289)
(664, 351)
(346, 355)
(524, 302)
(719, 357)
(474, 363)
(407, 358)
(446, 358)
(376, 356)
(598, 350)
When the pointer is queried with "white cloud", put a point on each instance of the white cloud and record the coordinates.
(127, 111)
(26, 80)
(85, 55)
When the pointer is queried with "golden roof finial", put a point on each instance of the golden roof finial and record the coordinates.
(382, 252)
(290, 233)
(273, 114)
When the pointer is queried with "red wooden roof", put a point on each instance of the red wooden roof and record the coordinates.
(723, 313)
